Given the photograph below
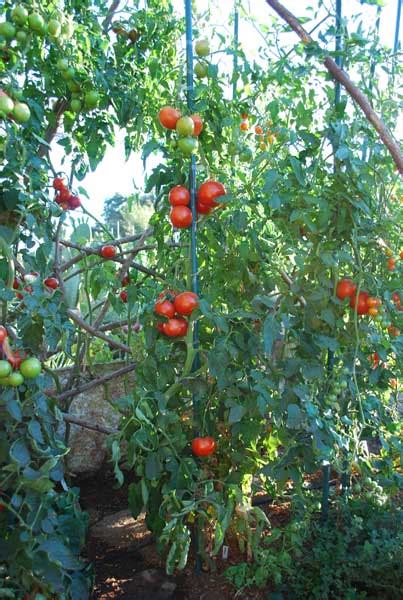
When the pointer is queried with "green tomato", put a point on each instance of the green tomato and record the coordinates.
(185, 126)
(62, 64)
(357, 489)
(202, 48)
(73, 86)
(68, 73)
(187, 145)
(91, 99)
(201, 70)
(19, 14)
(6, 104)
(15, 379)
(36, 22)
(21, 36)
(232, 149)
(5, 369)
(332, 397)
(75, 105)
(7, 30)
(21, 112)
(246, 155)
(31, 368)
(343, 385)
(54, 28)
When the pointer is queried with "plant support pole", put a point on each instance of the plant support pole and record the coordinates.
(236, 43)
(197, 537)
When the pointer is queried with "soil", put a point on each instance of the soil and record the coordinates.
(125, 558)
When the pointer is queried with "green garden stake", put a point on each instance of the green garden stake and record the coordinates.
(236, 43)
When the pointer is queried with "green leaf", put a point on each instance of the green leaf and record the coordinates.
(152, 466)
(271, 329)
(135, 499)
(294, 416)
(20, 453)
(81, 234)
(58, 552)
(236, 413)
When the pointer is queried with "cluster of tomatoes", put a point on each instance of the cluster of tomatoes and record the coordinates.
(261, 133)
(64, 198)
(23, 283)
(202, 49)
(391, 261)
(363, 303)
(13, 109)
(206, 200)
(188, 128)
(14, 368)
(174, 307)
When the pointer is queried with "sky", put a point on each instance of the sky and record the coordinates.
(115, 175)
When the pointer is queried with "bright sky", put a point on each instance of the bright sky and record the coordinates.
(114, 175)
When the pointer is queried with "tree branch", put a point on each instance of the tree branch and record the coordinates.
(86, 425)
(60, 107)
(95, 332)
(112, 9)
(342, 77)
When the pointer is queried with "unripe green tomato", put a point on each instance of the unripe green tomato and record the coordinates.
(6, 104)
(75, 105)
(73, 85)
(5, 369)
(346, 371)
(185, 126)
(7, 30)
(31, 367)
(187, 145)
(232, 149)
(19, 14)
(21, 112)
(36, 22)
(68, 73)
(15, 379)
(76, 95)
(332, 397)
(202, 48)
(357, 489)
(21, 36)
(201, 70)
(54, 28)
(337, 389)
(246, 155)
(343, 385)
(91, 99)
(62, 64)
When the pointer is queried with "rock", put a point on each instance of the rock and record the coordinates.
(88, 450)
(120, 530)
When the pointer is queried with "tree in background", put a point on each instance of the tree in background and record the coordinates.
(128, 215)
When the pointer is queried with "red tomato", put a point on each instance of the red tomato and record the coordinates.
(179, 196)
(168, 295)
(160, 327)
(373, 302)
(401, 254)
(345, 288)
(244, 126)
(202, 209)
(16, 358)
(175, 327)
(209, 191)
(123, 296)
(186, 302)
(108, 251)
(168, 117)
(203, 446)
(373, 311)
(52, 283)
(391, 264)
(375, 359)
(125, 281)
(181, 217)
(58, 183)
(16, 283)
(396, 298)
(244, 115)
(164, 308)
(258, 130)
(74, 202)
(3, 334)
(64, 195)
(360, 303)
(394, 331)
(198, 124)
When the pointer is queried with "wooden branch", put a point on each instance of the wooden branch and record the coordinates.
(287, 279)
(86, 425)
(342, 77)
(96, 333)
(60, 107)
(91, 384)
(113, 325)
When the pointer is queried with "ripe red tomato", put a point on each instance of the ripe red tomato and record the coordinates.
(186, 302)
(179, 196)
(3, 334)
(198, 124)
(393, 331)
(375, 359)
(373, 311)
(401, 254)
(64, 195)
(203, 446)
(360, 303)
(15, 359)
(58, 183)
(209, 191)
(123, 296)
(244, 126)
(175, 327)
(108, 251)
(125, 281)
(168, 117)
(258, 130)
(202, 209)
(244, 115)
(391, 264)
(74, 202)
(164, 308)
(345, 288)
(160, 327)
(373, 302)
(181, 216)
(396, 298)
(16, 283)
(52, 283)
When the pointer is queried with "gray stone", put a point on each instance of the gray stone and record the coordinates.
(120, 530)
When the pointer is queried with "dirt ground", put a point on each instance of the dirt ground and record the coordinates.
(125, 559)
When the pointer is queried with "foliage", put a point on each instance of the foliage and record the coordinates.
(357, 553)
(127, 216)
